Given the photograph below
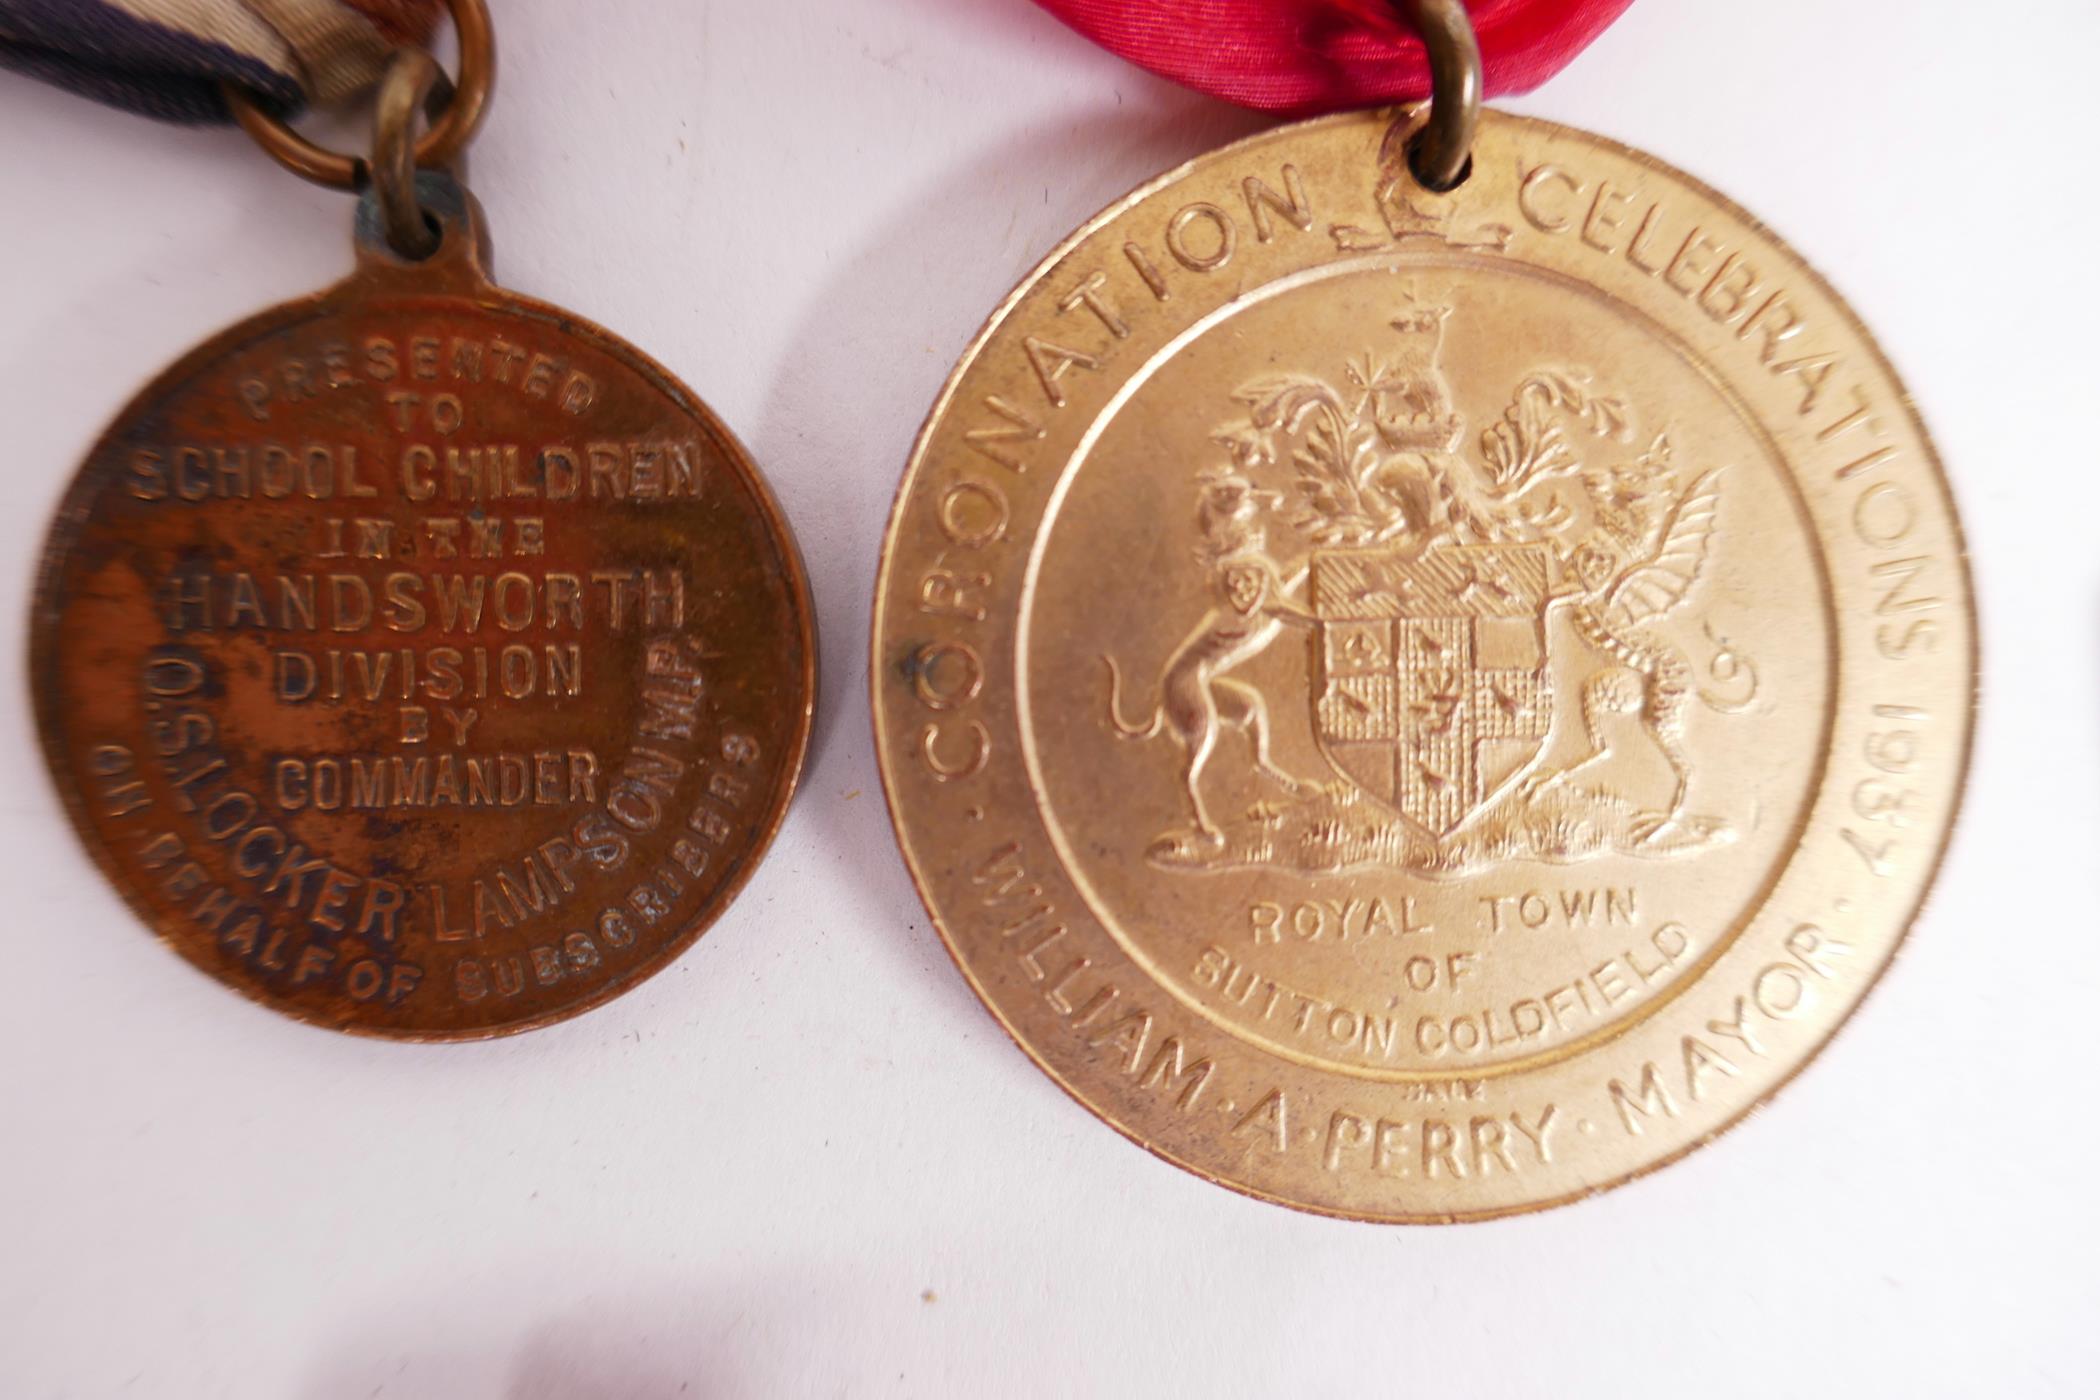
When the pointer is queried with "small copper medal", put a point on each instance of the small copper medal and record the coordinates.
(419, 659)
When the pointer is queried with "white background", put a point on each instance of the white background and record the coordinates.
(804, 1160)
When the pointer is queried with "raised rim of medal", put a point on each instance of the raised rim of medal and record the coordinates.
(82, 489)
(1905, 915)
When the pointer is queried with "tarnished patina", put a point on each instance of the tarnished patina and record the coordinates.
(419, 659)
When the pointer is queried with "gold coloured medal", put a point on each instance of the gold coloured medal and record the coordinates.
(1414, 703)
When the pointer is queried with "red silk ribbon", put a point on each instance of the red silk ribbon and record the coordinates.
(1302, 57)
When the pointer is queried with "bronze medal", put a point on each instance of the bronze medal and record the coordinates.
(1421, 705)
(420, 659)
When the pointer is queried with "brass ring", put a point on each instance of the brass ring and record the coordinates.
(448, 134)
(413, 81)
(1440, 152)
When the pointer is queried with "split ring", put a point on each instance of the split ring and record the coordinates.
(449, 131)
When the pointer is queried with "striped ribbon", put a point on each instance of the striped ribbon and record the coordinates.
(166, 58)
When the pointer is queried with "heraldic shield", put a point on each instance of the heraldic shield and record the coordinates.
(1433, 693)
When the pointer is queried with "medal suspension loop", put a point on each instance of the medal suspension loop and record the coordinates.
(413, 81)
(1441, 154)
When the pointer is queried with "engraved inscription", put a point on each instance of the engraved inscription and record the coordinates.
(424, 664)
(1094, 1009)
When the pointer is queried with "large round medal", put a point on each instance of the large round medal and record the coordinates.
(1423, 705)
(419, 659)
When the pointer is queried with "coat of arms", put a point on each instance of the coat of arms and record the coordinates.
(1451, 608)
(1434, 694)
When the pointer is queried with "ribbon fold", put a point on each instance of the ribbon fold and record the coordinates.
(1303, 57)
